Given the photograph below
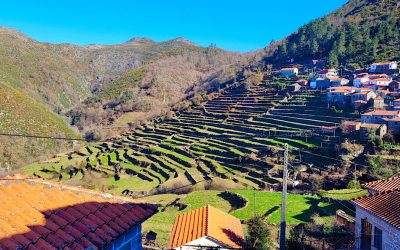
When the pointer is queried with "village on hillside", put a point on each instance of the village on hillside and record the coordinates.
(373, 92)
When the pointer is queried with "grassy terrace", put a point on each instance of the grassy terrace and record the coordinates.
(205, 146)
(203, 142)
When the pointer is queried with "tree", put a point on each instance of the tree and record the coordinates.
(333, 59)
(314, 47)
(258, 235)
(282, 50)
(353, 184)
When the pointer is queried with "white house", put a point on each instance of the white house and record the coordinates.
(327, 73)
(380, 82)
(377, 224)
(289, 71)
(357, 82)
(338, 81)
(382, 67)
(206, 228)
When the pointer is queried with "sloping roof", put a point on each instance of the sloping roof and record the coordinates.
(384, 63)
(371, 125)
(325, 71)
(207, 221)
(43, 215)
(385, 205)
(289, 69)
(382, 113)
(384, 185)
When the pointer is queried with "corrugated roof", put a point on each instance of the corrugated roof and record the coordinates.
(385, 205)
(384, 185)
(43, 215)
(207, 221)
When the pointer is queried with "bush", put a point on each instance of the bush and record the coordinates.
(353, 184)
(258, 235)
(92, 135)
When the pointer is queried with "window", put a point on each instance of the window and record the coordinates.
(378, 238)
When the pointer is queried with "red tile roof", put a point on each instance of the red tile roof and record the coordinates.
(381, 113)
(384, 185)
(35, 214)
(385, 205)
(207, 221)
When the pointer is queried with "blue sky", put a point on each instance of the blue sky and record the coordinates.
(237, 25)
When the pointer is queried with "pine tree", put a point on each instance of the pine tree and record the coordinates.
(333, 59)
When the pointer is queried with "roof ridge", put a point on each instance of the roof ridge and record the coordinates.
(207, 218)
(371, 183)
(377, 194)
(72, 188)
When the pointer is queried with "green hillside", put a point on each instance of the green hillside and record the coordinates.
(20, 114)
(360, 32)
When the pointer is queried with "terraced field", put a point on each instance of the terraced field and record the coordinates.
(209, 145)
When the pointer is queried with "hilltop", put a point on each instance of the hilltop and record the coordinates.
(61, 79)
(357, 34)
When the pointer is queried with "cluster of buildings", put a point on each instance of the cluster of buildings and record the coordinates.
(374, 92)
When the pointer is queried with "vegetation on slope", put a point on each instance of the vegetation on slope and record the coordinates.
(360, 32)
(20, 114)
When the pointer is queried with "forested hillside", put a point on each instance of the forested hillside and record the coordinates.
(360, 32)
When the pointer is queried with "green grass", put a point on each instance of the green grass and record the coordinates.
(162, 222)
(169, 152)
(300, 208)
(343, 194)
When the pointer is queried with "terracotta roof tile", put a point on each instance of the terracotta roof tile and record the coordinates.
(381, 113)
(207, 221)
(385, 205)
(384, 185)
(36, 214)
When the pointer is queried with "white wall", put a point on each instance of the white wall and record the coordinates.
(204, 241)
(390, 234)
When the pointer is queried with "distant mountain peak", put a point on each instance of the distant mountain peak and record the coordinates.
(182, 40)
(139, 40)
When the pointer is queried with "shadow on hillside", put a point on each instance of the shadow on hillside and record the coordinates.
(235, 201)
(88, 225)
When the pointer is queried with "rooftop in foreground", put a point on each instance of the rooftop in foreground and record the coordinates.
(42, 215)
(384, 205)
(207, 222)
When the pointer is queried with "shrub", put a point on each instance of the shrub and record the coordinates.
(258, 235)
(92, 135)
(353, 184)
